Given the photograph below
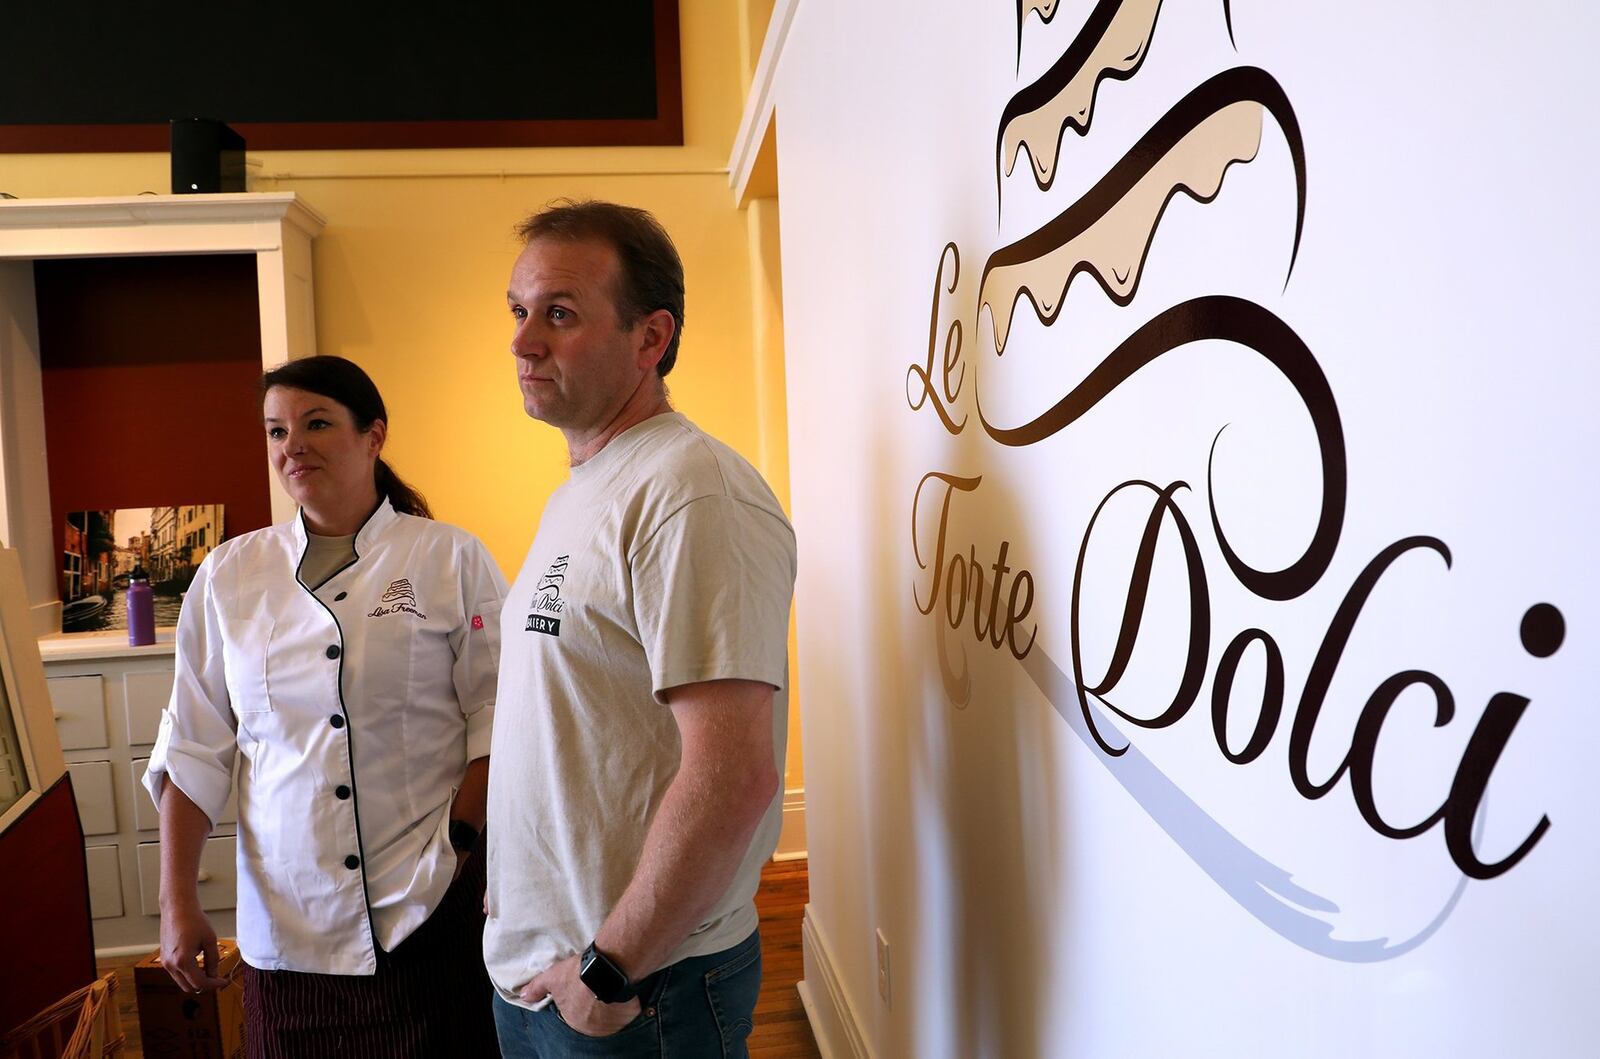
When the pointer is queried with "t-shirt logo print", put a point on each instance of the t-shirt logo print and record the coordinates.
(398, 598)
(544, 614)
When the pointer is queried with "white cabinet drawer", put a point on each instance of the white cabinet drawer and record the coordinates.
(217, 871)
(91, 788)
(80, 708)
(146, 695)
(105, 882)
(145, 815)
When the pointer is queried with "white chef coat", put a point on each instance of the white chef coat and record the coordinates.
(353, 709)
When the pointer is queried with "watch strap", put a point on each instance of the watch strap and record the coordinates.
(463, 836)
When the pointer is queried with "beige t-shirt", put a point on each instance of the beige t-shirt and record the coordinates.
(325, 556)
(664, 560)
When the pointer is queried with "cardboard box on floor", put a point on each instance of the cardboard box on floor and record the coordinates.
(175, 1023)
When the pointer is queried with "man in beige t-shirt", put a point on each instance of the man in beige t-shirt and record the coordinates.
(633, 789)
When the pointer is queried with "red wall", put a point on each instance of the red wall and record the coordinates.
(150, 372)
(44, 908)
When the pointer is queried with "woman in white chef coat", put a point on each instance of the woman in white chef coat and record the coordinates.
(345, 661)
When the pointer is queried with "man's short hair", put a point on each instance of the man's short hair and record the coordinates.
(650, 273)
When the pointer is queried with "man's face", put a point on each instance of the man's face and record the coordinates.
(576, 364)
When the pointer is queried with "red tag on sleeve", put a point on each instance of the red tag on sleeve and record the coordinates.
(477, 621)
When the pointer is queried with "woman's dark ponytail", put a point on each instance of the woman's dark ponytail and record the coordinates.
(405, 499)
(345, 382)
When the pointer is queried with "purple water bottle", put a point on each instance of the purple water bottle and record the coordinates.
(141, 609)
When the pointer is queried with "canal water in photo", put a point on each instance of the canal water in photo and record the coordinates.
(115, 616)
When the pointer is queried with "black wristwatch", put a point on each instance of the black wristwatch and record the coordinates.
(463, 836)
(604, 978)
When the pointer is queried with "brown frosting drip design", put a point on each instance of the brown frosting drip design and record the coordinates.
(1045, 8)
(1109, 230)
(1112, 44)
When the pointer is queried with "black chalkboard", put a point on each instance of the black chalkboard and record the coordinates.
(95, 76)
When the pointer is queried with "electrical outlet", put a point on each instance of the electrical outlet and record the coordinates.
(883, 967)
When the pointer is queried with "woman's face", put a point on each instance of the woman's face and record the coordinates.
(323, 461)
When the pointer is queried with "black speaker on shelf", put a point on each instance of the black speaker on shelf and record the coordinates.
(207, 156)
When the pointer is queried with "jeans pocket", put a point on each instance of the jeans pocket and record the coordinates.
(732, 990)
(635, 1033)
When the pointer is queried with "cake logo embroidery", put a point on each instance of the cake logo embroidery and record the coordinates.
(544, 613)
(398, 598)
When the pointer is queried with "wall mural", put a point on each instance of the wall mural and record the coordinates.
(1107, 232)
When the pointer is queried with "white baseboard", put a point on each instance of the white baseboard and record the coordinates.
(117, 952)
(833, 1021)
(792, 838)
(824, 1046)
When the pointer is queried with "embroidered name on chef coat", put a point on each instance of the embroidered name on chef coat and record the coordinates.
(398, 598)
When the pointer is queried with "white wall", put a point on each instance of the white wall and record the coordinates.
(1040, 894)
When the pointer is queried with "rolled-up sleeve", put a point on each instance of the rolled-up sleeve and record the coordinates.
(476, 644)
(198, 738)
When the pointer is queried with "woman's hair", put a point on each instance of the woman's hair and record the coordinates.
(345, 382)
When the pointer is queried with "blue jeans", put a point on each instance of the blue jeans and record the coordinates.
(703, 1006)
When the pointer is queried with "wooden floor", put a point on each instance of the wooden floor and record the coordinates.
(781, 1032)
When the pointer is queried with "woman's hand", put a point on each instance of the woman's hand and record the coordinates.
(186, 933)
(189, 948)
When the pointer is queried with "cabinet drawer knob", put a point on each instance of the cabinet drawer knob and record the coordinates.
(204, 876)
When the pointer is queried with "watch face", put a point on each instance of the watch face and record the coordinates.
(605, 981)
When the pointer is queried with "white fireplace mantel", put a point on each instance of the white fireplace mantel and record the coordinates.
(276, 227)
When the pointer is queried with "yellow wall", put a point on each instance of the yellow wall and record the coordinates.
(411, 273)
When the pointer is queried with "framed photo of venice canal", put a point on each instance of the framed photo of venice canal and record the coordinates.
(102, 549)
